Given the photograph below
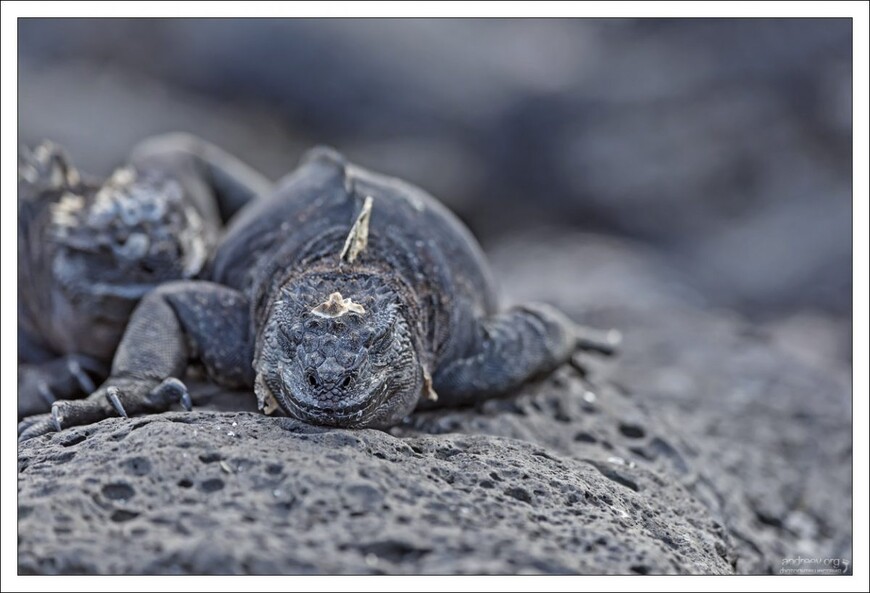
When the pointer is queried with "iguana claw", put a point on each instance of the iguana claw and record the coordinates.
(604, 342)
(35, 426)
(112, 396)
(172, 391)
(56, 418)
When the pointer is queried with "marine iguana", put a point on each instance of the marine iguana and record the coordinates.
(344, 298)
(89, 249)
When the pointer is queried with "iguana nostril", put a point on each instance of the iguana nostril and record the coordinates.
(346, 382)
(312, 380)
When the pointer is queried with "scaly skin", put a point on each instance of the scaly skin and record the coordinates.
(344, 298)
(88, 250)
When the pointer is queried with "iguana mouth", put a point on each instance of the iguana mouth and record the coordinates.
(327, 416)
(335, 415)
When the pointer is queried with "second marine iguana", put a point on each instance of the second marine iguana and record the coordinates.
(89, 249)
(343, 298)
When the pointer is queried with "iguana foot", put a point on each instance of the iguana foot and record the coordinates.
(124, 397)
(33, 426)
(68, 377)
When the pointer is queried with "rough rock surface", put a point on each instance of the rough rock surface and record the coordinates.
(705, 448)
(768, 429)
(239, 493)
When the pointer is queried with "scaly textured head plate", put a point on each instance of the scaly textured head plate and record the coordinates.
(338, 361)
(336, 306)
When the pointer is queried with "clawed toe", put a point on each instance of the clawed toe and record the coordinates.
(172, 391)
(125, 399)
(112, 396)
(605, 342)
(35, 426)
(56, 418)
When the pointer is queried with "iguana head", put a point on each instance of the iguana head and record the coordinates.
(337, 350)
(117, 239)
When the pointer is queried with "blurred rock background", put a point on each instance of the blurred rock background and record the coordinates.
(720, 147)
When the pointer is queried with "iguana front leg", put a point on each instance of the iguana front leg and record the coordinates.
(174, 324)
(511, 348)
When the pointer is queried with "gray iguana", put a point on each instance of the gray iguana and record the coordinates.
(89, 249)
(344, 298)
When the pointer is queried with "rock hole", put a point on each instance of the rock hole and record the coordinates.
(274, 468)
(642, 453)
(632, 431)
(394, 551)
(584, 437)
(210, 457)
(615, 475)
(138, 466)
(768, 519)
(519, 494)
(63, 457)
(185, 483)
(639, 569)
(123, 515)
(73, 439)
(118, 491)
(286, 505)
(662, 447)
(212, 485)
(447, 453)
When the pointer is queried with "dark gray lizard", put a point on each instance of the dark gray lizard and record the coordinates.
(344, 298)
(89, 249)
